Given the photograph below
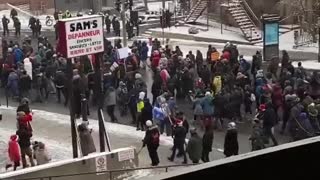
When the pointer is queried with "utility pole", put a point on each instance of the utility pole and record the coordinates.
(71, 108)
(318, 31)
(99, 86)
(124, 28)
(163, 4)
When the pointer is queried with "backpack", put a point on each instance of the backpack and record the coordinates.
(155, 137)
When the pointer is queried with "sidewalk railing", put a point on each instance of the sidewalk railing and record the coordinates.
(109, 173)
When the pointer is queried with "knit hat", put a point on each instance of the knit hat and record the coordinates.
(231, 126)
(262, 107)
(149, 123)
(142, 95)
(137, 76)
(312, 111)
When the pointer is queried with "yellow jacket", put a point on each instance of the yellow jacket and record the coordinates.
(140, 106)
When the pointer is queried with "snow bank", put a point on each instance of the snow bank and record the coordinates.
(310, 65)
(112, 128)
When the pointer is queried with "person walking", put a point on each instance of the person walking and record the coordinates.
(179, 136)
(207, 141)
(25, 135)
(17, 26)
(231, 145)
(110, 102)
(13, 153)
(107, 21)
(269, 121)
(86, 140)
(5, 24)
(194, 147)
(151, 140)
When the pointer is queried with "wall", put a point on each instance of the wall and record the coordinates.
(298, 160)
(74, 166)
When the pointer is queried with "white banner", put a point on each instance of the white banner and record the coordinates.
(126, 155)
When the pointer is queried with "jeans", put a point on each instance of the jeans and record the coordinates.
(180, 147)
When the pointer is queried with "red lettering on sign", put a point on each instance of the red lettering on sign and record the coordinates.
(84, 34)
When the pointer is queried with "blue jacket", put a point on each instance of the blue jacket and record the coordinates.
(207, 105)
(13, 85)
(144, 52)
(18, 55)
(158, 114)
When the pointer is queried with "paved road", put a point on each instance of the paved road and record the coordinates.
(52, 131)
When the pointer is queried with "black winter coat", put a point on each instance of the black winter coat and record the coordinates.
(24, 136)
(148, 138)
(270, 117)
(231, 145)
(25, 83)
(179, 135)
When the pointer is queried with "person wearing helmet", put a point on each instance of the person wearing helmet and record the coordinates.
(231, 145)
(151, 140)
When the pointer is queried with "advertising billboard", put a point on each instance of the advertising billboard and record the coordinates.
(80, 36)
(271, 33)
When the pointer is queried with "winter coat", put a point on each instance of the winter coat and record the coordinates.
(152, 136)
(194, 147)
(270, 117)
(24, 107)
(257, 138)
(86, 140)
(28, 66)
(42, 156)
(155, 59)
(13, 83)
(164, 76)
(144, 52)
(24, 136)
(146, 113)
(179, 135)
(231, 145)
(277, 97)
(25, 83)
(197, 108)
(207, 105)
(207, 141)
(111, 98)
(158, 114)
(217, 84)
(14, 149)
(18, 55)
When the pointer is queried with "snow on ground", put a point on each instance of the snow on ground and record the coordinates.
(310, 65)
(213, 33)
(24, 19)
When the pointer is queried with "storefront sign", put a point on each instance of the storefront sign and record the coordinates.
(80, 36)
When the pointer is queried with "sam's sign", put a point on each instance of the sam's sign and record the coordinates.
(80, 36)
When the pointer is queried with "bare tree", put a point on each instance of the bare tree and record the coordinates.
(305, 15)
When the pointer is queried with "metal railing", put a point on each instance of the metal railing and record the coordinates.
(110, 173)
(246, 6)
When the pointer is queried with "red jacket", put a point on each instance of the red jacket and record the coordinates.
(277, 97)
(156, 58)
(14, 149)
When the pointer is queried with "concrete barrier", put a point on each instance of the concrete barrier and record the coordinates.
(89, 166)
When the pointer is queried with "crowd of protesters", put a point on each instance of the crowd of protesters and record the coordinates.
(217, 84)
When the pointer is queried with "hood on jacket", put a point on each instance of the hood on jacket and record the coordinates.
(14, 137)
